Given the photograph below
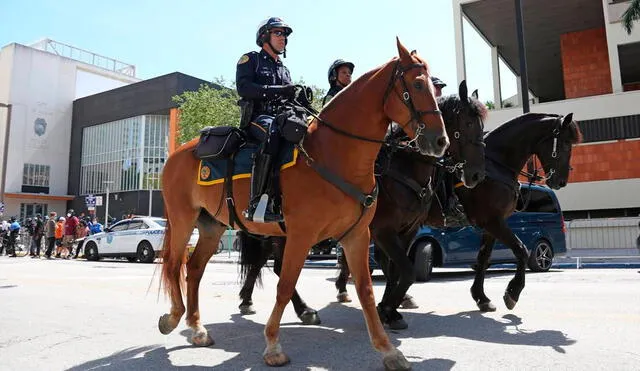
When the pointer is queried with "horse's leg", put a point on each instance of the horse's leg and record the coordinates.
(356, 249)
(341, 281)
(295, 253)
(400, 276)
(504, 234)
(482, 263)
(308, 316)
(210, 233)
(179, 230)
(253, 257)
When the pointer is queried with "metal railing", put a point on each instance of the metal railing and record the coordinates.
(610, 233)
(81, 55)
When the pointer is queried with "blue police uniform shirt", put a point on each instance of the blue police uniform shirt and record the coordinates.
(256, 73)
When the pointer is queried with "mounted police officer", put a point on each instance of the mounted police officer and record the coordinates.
(340, 73)
(264, 83)
(438, 84)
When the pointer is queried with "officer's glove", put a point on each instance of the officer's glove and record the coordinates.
(287, 91)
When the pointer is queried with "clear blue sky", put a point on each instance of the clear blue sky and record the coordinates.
(206, 38)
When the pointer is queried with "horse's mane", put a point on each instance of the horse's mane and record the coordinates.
(453, 103)
(575, 135)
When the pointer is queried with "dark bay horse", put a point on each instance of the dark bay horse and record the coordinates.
(341, 146)
(550, 138)
(405, 179)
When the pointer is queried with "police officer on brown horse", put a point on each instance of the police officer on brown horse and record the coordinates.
(340, 73)
(264, 83)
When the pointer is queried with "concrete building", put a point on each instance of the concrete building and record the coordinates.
(580, 60)
(38, 85)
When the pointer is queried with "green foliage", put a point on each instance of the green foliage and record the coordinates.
(214, 105)
(632, 14)
(490, 105)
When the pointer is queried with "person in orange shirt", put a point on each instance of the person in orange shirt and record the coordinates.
(59, 230)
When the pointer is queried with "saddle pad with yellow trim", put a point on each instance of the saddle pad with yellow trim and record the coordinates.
(214, 171)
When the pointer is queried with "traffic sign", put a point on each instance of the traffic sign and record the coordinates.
(98, 201)
(90, 200)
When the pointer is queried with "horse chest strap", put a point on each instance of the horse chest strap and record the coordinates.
(366, 200)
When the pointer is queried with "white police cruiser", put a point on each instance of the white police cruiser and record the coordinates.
(138, 238)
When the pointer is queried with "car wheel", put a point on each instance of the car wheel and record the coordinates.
(423, 261)
(145, 252)
(91, 251)
(541, 257)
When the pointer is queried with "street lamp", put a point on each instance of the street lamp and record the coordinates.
(106, 208)
(5, 151)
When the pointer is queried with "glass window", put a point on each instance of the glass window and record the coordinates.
(136, 224)
(122, 226)
(536, 201)
(35, 175)
(129, 152)
(30, 210)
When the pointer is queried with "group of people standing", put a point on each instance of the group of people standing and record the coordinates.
(263, 80)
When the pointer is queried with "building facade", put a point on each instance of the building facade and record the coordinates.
(120, 140)
(579, 59)
(38, 85)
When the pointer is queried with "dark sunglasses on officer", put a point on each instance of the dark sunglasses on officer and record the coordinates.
(280, 33)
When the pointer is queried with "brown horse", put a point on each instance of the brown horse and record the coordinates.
(342, 146)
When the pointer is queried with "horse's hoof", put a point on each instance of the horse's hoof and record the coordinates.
(202, 339)
(343, 297)
(409, 303)
(247, 309)
(276, 358)
(509, 301)
(164, 324)
(487, 307)
(395, 361)
(398, 324)
(310, 317)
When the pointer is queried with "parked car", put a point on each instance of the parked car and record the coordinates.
(540, 227)
(228, 241)
(137, 239)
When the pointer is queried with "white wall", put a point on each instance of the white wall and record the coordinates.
(44, 86)
(587, 108)
(6, 59)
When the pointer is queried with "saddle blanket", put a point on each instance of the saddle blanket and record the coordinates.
(212, 172)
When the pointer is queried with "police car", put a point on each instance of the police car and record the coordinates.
(137, 239)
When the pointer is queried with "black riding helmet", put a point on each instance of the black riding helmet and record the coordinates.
(333, 69)
(266, 25)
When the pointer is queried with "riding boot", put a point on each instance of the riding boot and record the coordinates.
(453, 210)
(260, 208)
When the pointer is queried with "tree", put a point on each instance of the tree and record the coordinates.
(216, 105)
(632, 14)
(489, 104)
(211, 105)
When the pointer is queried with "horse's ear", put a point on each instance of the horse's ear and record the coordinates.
(403, 53)
(567, 120)
(475, 94)
(414, 52)
(463, 93)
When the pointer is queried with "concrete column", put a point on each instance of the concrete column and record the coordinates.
(461, 69)
(612, 46)
(495, 68)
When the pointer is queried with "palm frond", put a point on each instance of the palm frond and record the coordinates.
(631, 15)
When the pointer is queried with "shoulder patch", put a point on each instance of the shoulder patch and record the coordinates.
(243, 59)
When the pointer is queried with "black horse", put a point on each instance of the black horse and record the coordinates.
(405, 179)
(489, 204)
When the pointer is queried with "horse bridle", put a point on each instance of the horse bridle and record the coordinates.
(405, 97)
(555, 134)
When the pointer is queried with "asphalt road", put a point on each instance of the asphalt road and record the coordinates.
(79, 315)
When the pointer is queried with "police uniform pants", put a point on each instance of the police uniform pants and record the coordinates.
(264, 130)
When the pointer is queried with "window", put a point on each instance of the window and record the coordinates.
(129, 152)
(138, 224)
(30, 210)
(35, 175)
(537, 201)
(120, 227)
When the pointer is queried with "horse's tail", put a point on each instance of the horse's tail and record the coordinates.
(172, 264)
(252, 256)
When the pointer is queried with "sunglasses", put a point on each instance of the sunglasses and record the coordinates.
(280, 33)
